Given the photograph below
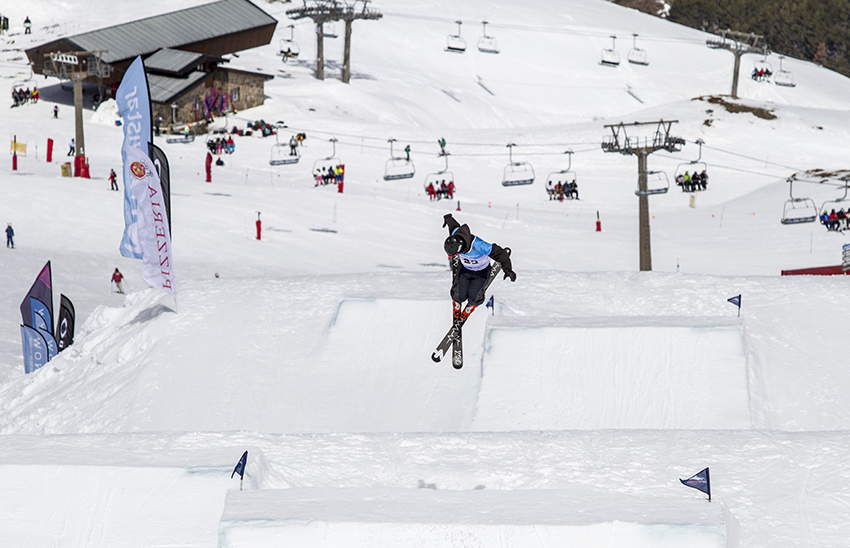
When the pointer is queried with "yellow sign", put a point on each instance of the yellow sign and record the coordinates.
(19, 148)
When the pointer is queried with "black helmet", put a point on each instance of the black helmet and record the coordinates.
(453, 245)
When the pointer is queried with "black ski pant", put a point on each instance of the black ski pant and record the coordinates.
(468, 285)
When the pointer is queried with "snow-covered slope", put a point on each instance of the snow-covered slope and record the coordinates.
(589, 390)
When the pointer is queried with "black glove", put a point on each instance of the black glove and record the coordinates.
(446, 218)
(510, 274)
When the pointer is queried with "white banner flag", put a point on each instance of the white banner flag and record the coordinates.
(153, 230)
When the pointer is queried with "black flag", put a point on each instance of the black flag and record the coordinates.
(700, 481)
(240, 466)
(65, 325)
(160, 161)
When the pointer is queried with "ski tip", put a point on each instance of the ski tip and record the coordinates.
(457, 365)
(436, 357)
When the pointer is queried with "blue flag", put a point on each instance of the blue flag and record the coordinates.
(735, 300)
(240, 466)
(700, 481)
(134, 105)
(36, 353)
(490, 303)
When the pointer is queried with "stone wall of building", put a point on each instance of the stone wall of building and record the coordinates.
(246, 89)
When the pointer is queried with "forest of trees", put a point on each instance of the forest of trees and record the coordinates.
(815, 30)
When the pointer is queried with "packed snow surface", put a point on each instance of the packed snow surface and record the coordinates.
(588, 390)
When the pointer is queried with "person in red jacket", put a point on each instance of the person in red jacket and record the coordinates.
(117, 277)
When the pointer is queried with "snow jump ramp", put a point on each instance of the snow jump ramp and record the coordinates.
(583, 374)
(424, 518)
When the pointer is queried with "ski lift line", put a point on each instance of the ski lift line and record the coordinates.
(760, 160)
(360, 145)
(553, 30)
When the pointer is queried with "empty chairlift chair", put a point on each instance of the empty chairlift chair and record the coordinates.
(610, 57)
(656, 183)
(324, 166)
(517, 173)
(288, 46)
(455, 42)
(329, 30)
(398, 167)
(798, 210)
(487, 44)
(637, 56)
(784, 77)
(282, 154)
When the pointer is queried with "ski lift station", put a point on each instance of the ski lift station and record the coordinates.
(487, 44)
(517, 173)
(398, 167)
(610, 57)
(637, 56)
(455, 42)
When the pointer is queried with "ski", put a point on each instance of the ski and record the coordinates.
(456, 328)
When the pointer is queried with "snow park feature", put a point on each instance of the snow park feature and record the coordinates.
(587, 394)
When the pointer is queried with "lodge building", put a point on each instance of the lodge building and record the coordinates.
(183, 53)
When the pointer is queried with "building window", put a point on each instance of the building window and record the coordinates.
(234, 95)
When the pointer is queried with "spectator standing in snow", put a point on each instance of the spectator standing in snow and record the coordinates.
(27, 25)
(117, 277)
(407, 151)
(156, 126)
(113, 183)
(73, 146)
(293, 142)
(10, 235)
(56, 111)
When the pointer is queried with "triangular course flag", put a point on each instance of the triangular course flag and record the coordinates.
(240, 468)
(491, 304)
(736, 300)
(700, 481)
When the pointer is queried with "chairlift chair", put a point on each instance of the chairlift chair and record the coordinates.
(656, 183)
(398, 167)
(798, 210)
(836, 204)
(637, 56)
(329, 30)
(288, 46)
(784, 77)
(762, 66)
(487, 44)
(439, 176)
(281, 154)
(610, 57)
(563, 176)
(322, 165)
(517, 173)
(455, 42)
(695, 165)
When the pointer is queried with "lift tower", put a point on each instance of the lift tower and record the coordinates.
(738, 43)
(323, 11)
(620, 141)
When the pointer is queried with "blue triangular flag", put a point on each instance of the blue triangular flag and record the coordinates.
(240, 466)
(490, 302)
(700, 481)
(735, 300)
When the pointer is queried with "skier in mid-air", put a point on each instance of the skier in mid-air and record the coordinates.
(474, 265)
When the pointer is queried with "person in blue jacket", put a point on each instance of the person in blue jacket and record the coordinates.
(474, 264)
(10, 236)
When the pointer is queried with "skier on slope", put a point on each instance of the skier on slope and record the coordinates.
(474, 265)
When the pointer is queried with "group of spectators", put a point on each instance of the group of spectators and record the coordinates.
(692, 182)
(23, 96)
(221, 145)
(263, 127)
(559, 190)
(441, 190)
(835, 221)
(330, 174)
